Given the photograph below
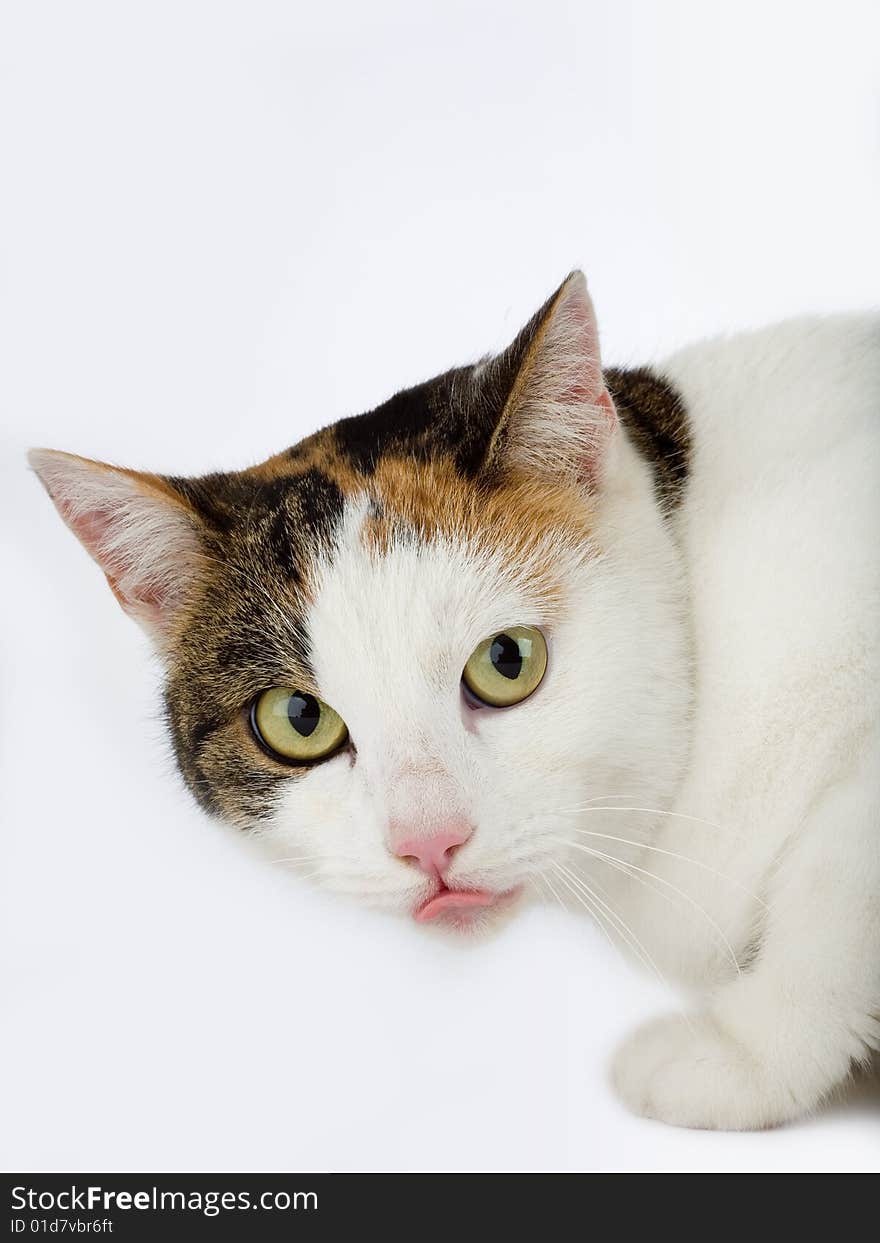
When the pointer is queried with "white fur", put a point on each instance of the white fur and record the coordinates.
(700, 767)
(724, 670)
(779, 534)
(392, 633)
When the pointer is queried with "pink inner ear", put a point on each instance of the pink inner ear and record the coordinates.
(587, 389)
(576, 329)
(142, 539)
(560, 412)
(90, 527)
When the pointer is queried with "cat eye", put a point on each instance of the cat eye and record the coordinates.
(295, 726)
(507, 667)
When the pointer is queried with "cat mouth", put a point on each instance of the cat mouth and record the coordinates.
(457, 906)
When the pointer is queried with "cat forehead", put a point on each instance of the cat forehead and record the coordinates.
(280, 514)
(413, 521)
(401, 475)
(392, 575)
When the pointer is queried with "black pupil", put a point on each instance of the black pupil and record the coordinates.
(303, 712)
(506, 657)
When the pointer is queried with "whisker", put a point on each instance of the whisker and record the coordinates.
(673, 854)
(552, 888)
(600, 798)
(542, 889)
(602, 920)
(630, 868)
(313, 858)
(631, 938)
(650, 961)
(581, 808)
(590, 907)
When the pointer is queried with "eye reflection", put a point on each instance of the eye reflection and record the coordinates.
(507, 667)
(296, 726)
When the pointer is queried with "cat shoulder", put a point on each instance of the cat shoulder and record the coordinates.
(797, 386)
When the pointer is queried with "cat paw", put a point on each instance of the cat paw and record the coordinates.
(689, 1072)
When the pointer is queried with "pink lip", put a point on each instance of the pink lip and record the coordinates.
(454, 902)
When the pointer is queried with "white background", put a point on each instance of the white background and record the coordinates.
(224, 225)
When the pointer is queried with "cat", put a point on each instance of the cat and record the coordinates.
(535, 625)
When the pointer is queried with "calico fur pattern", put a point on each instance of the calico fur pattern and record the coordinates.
(266, 527)
(419, 458)
(700, 767)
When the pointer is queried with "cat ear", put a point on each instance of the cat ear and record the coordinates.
(558, 415)
(143, 534)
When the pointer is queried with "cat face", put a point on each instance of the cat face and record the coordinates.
(407, 651)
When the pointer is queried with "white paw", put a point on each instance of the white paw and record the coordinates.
(688, 1072)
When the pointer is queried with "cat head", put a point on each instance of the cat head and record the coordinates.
(407, 650)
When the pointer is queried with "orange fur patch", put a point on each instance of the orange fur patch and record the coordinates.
(526, 518)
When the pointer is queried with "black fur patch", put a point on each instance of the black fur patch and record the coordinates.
(449, 416)
(319, 503)
(457, 413)
(297, 518)
(201, 732)
(654, 415)
(454, 415)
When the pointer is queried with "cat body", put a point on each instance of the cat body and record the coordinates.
(777, 531)
(535, 626)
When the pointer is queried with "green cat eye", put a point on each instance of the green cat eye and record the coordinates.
(507, 667)
(295, 726)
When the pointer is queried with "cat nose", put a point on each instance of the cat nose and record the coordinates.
(433, 851)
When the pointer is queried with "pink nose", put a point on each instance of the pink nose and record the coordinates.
(433, 852)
